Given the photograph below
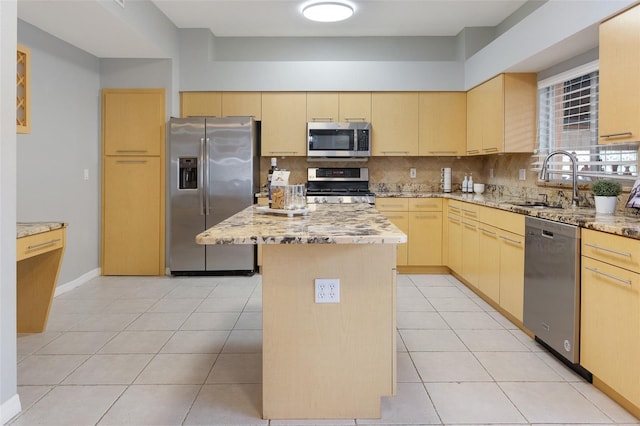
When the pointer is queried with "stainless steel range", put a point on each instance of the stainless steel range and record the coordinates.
(333, 185)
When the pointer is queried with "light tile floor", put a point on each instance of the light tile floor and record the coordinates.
(187, 351)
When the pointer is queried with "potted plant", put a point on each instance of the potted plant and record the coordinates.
(605, 193)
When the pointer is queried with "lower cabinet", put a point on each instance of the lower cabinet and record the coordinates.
(133, 216)
(511, 275)
(470, 244)
(421, 220)
(489, 261)
(610, 313)
(454, 236)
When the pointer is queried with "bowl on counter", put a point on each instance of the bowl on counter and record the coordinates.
(478, 188)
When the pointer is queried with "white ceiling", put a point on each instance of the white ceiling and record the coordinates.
(90, 26)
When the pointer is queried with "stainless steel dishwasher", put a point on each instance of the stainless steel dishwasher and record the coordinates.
(552, 288)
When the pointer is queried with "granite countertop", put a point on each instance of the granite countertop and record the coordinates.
(25, 229)
(324, 224)
(584, 217)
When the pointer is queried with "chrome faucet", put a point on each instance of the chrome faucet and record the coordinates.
(544, 174)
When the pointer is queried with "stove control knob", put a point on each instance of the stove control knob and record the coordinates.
(324, 200)
(339, 200)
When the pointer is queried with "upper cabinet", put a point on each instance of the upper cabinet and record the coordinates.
(355, 106)
(344, 106)
(501, 115)
(241, 104)
(200, 104)
(23, 86)
(442, 123)
(284, 123)
(394, 123)
(135, 122)
(619, 71)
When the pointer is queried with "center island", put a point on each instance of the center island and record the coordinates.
(323, 360)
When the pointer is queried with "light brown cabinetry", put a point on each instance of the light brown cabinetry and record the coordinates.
(394, 118)
(397, 211)
(619, 68)
(470, 243)
(39, 258)
(339, 106)
(442, 123)
(453, 232)
(133, 182)
(610, 313)
(501, 115)
(241, 104)
(200, 104)
(425, 232)
(284, 123)
(421, 220)
(501, 257)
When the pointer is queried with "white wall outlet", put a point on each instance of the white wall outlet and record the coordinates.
(522, 174)
(412, 173)
(491, 175)
(327, 290)
(86, 174)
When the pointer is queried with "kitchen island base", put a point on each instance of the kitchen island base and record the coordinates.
(328, 360)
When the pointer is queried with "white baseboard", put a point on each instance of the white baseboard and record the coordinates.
(83, 279)
(9, 409)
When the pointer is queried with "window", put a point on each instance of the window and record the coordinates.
(568, 120)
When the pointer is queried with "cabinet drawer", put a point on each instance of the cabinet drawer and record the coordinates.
(392, 204)
(425, 204)
(613, 249)
(512, 222)
(34, 245)
(470, 210)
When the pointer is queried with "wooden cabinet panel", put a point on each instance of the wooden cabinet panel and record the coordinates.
(401, 220)
(200, 104)
(454, 237)
(489, 262)
(132, 221)
(425, 238)
(425, 204)
(394, 118)
(610, 326)
(392, 204)
(442, 123)
(284, 124)
(614, 249)
(238, 104)
(133, 121)
(501, 115)
(511, 273)
(322, 106)
(619, 68)
(470, 247)
(355, 106)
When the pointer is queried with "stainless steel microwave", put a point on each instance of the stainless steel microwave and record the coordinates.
(338, 140)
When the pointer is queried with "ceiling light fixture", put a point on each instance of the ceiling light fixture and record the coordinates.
(327, 12)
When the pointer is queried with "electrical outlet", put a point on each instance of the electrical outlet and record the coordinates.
(491, 175)
(327, 290)
(412, 173)
(522, 174)
(86, 174)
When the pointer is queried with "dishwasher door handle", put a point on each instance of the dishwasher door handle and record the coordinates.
(547, 234)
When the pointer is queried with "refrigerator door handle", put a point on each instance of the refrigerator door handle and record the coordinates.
(201, 177)
(208, 190)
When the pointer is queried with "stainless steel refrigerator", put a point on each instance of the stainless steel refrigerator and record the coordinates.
(214, 174)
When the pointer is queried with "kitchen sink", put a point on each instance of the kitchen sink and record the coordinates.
(535, 204)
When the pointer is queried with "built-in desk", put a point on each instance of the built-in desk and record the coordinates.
(323, 360)
(40, 247)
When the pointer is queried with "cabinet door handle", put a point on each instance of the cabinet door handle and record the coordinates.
(395, 152)
(347, 119)
(394, 217)
(469, 225)
(389, 206)
(615, 135)
(511, 240)
(490, 149)
(443, 152)
(427, 205)
(131, 161)
(283, 152)
(131, 151)
(619, 253)
(430, 216)
(455, 209)
(486, 231)
(613, 277)
(322, 119)
(46, 243)
(453, 220)
(473, 151)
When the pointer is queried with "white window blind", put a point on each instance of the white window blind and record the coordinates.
(568, 120)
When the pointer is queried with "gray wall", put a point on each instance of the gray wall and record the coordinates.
(64, 141)
(9, 402)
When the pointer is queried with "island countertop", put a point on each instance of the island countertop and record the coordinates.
(323, 224)
(25, 229)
